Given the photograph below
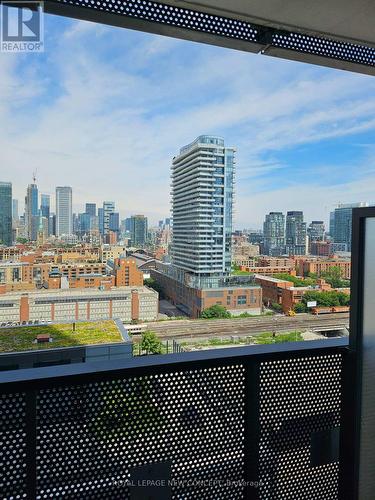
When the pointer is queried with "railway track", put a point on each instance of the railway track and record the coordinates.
(244, 326)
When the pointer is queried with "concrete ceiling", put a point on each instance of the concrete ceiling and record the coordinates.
(335, 33)
(345, 20)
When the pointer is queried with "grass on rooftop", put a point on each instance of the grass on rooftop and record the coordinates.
(21, 338)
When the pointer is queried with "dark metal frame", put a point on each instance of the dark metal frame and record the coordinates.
(353, 367)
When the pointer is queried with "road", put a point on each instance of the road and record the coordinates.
(242, 327)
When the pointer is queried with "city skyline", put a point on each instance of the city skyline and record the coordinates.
(304, 136)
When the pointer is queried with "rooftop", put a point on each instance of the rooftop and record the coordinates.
(22, 338)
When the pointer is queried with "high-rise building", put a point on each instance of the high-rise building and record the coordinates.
(274, 234)
(331, 223)
(295, 233)
(202, 204)
(101, 220)
(128, 224)
(114, 222)
(138, 230)
(6, 213)
(52, 224)
(15, 212)
(45, 205)
(91, 209)
(316, 230)
(342, 230)
(108, 208)
(84, 223)
(64, 216)
(31, 212)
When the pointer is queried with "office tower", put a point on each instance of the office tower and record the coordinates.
(168, 222)
(45, 205)
(108, 208)
(331, 223)
(295, 233)
(64, 217)
(31, 212)
(161, 224)
(6, 213)
(76, 225)
(138, 230)
(52, 224)
(101, 220)
(91, 209)
(274, 234)
(128, 224)
(202, 204)
(84, 223)
(15, 213)
(114, 222)
(342, 232)
(316, 230)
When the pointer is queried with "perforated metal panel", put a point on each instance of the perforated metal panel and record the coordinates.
(207, 429)
(298, 398)
(258, 37)
(13, 446)
(90, 437)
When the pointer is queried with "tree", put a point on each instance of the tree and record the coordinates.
(334, 277)
(21, 240)
(215, 311)
(300, 307)
(151, 343)
(151, 283)
(276, 307)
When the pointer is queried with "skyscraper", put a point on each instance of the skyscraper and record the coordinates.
(274, 233)
(15, 212)
(101, 220)
(114, 222)
(31, 212)
(202, 204)
(342, 228)
(64, 217)
(295, 233)
(138, 230)
(108, 208)
(45, 205)
(5, 213)
(91, 209)
(316, 230)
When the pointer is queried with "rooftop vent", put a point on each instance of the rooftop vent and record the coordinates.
(43, 337)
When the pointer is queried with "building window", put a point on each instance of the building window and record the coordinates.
(241, 300)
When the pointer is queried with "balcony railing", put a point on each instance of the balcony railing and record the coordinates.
(251, 422)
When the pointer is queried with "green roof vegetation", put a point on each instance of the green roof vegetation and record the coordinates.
(23, 338)
(299, 282)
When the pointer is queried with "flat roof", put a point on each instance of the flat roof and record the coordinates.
(74, 292)
(22, 338)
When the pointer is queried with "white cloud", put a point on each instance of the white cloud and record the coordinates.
(109, 120)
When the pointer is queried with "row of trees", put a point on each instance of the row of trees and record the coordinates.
(322, 299)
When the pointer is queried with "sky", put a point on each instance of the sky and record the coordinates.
(105, 109)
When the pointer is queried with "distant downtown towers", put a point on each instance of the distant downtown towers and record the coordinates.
(64, 215)
(5, 213)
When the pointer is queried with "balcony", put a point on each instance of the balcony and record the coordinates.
(254, 422)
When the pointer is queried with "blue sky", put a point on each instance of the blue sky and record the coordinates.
(105, 109)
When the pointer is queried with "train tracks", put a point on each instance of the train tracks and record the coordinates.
(242, 327)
